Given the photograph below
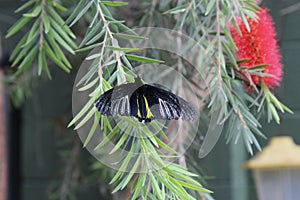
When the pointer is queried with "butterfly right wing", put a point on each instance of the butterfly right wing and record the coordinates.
(166, 105)
(188, 112)
(163, 104)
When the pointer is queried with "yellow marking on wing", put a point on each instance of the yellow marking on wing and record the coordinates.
(139, 112)
(149, 114)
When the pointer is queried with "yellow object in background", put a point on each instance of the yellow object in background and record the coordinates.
(276, 170)
(281, 152)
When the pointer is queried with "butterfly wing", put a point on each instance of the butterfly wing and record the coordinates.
(116, 100)
(188, 112)
(145, 102)
(103, 103)
(166, 105)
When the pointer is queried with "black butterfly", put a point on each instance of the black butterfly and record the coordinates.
(144, 102)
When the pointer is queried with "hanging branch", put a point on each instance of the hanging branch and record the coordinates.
(47, 36)
(226, 96)
(153, 176)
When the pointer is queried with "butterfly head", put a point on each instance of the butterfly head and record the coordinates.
(138, 80)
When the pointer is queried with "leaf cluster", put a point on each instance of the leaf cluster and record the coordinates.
(44, 41)
(109, 65)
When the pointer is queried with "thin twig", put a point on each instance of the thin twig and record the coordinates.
(219, 44)
(110, 34)
(42, 25)
(241, 118)
(105, 22)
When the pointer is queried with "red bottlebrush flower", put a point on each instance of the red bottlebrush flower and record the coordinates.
(260, 47)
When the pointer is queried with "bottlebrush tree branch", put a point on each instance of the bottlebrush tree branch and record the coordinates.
(47, 36)
(151, 175)
(208, 23)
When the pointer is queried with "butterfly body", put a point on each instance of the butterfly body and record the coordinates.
(144, 102)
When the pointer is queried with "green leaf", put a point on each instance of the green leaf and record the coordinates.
(86, 107)
(165, 181)
(75, 12)
(91, 33)
(59, 6)
(155, 186)
(23, 52)
(93, 56)
(165, 146)
(181, 169)
(114, 3)
(143, 59)
(276, 101)
(178, 9)
(125, 163)
(61, 41)
(230, 55)
(287, 109)
(209, 6)
(123, 49)
(274, 113)
(128, 36)
(89, 75)
(46, 23)
(55, 16)
(139, 185)
(60, 22)
(81, 13)
(92, 130)
(183, 192)
(54, 58)
(88, 86)
(228, 36)
(63, 33)
(18, 47)
(106, 12)
(32, 34)
(25, 5)
(120, 142)
(181, 176)
(193, 187)
(17, 26)
(132, 172)
(44, 64)
(106, 139)
(258, 73)
(28, 58)
(86, 118)
(106, 84)
(158, 127)
(88, 47)
(40, 63)
(236, 27)
(36, 11)
(244, 19)
(95, 38)
(58, 52)
(255, 67)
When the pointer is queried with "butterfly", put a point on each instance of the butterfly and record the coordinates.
(145, 102)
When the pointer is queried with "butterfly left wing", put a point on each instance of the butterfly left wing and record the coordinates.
(115, 101)
(103, 103)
